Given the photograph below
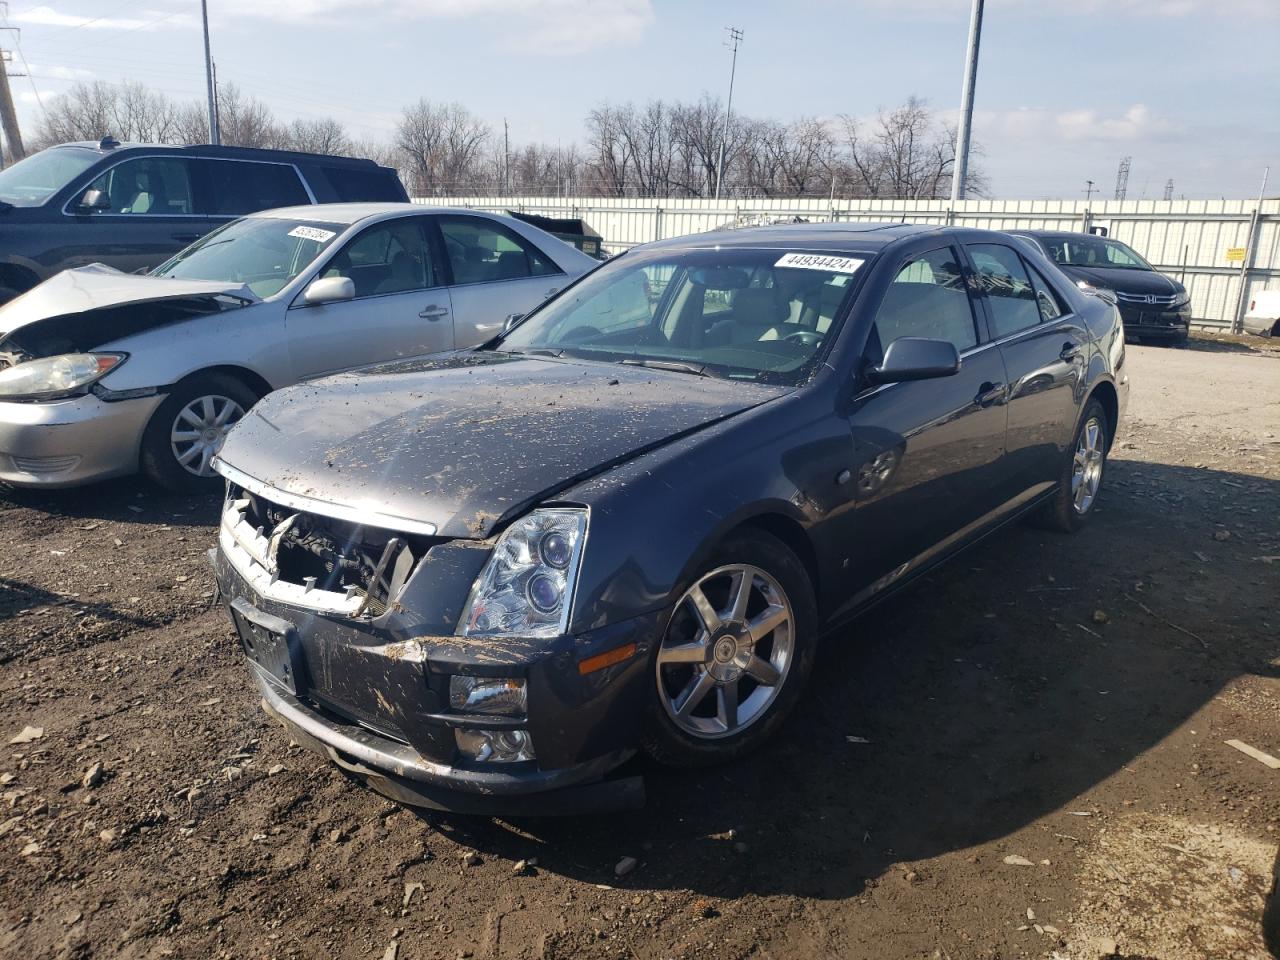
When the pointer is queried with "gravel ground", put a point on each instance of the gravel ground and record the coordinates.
(1046, 772)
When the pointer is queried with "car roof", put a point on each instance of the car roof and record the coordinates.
(819, 236)
(1056, 234)
(217, 150)
(351, 213)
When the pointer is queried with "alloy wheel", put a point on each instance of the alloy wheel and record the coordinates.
(727, 652)
(1086, 467)
(199, 430)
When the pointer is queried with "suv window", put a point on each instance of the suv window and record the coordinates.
(237, 187)
(390, 257)
(370, 185)
(927, 298)
(1047, 300)
(482, 251)
(149, 186)
(1004, 280)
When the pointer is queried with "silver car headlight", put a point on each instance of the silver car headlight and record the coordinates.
(52, 377)
(526, 588)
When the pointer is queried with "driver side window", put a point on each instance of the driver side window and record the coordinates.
(148, 186)
(927, 298)
(390, 257)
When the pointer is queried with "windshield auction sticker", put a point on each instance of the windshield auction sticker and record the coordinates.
(817, 261)
(312, 233)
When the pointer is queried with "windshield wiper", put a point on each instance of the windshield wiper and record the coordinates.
(678, 365)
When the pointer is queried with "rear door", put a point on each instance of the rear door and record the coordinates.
(1045, 348)
(401, 307)
(495, 273)
(926, 454)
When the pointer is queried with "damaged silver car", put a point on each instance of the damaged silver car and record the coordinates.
(104, 373)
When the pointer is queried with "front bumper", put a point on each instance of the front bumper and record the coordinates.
(63, 443)
(372, 696)
(1172, 323)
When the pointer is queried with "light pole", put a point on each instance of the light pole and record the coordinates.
(735, 38)
(961, 171)
(214, 136)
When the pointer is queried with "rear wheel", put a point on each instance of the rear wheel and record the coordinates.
(187, 430)
(737, 650)
(1082, 470)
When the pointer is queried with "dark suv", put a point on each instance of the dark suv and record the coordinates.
(1151, 304)
(132, 206)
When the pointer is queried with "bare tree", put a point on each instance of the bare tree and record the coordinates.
(442, 145)
(609, 159)
(905, 153)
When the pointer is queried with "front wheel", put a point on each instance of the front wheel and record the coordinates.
(187, 430)
(737, 650)
(1082, 470)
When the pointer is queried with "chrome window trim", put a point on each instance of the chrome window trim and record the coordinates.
(363, 516)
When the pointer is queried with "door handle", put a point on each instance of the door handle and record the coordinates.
(186, 237)
(1070, 351)
(434, 312)
(990, 393)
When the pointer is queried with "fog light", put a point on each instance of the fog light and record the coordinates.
(495, 696)
(495, 746)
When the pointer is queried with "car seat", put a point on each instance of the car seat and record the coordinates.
(406, 274)
(758, 314)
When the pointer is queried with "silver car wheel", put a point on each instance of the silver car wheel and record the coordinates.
(198, 431)
(727, 652)
(1086, 468)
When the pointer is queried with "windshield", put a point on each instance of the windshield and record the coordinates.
(1087, 251)
(742, 314)
(263, 252)
(30, 182)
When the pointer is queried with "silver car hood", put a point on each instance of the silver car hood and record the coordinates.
(96, 286)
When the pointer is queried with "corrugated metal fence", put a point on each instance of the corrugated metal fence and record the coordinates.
(1187, 239)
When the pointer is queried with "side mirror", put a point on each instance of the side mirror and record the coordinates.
(511, 321)
(329, 290)
(916, 358)
(94, 201)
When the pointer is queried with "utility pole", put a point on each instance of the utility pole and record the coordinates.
(1088, 190)
(735, 38)
(8, 115)
(1122, 177)
(960, 172)
(214, 136)
(506, 159)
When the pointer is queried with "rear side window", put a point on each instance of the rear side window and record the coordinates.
(1047, 300)
(236, 187)
(368, 185)
(928, 299)
(149, 186)
(482, 251)
(1004, 280)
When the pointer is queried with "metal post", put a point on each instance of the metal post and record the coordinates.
(214, 136)
(736, 36)
(9, 118)
(1250, 250)
(960, 172)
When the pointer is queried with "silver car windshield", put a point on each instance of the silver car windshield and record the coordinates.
(30, 182)
(263, 252)
(736, 313)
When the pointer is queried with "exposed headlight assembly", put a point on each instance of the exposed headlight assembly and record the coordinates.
(52, 377)
(526, 588)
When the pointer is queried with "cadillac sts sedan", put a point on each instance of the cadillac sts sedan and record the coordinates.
(482, 581)
(103, 373)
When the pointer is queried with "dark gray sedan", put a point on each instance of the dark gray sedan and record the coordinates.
(483, 580)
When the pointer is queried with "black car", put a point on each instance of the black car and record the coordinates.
(483, 580)
(1151, 305)
(132, 206)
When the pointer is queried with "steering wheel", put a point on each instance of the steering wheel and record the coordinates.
(581, 333)
(810, 338)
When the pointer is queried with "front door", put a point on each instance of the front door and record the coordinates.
(926, 454)
(401, 307)
(1045, 352)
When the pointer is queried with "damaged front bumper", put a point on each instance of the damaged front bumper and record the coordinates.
(63, 443)
(370, 690)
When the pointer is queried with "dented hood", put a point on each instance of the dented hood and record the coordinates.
(465, 441)
(97, 287)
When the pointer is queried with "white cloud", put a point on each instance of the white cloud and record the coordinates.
(147, 20)
(53, 71)
(1080, 125)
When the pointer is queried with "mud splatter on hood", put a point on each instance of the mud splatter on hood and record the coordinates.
(466, 440)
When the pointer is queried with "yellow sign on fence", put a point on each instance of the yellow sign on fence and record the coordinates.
(1235, 254)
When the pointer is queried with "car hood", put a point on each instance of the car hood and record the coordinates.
(1124, 280)
(465, 441)
(83, 308)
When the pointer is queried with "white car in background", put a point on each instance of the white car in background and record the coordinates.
(103, 373)
(1263, 315)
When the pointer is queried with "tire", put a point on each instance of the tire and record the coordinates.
(218, 399)
(1066, 511)
(728, 658)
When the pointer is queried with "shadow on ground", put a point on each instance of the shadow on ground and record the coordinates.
(127, 500)
(989, 692)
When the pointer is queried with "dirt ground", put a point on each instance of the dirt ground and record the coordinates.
(1046, 772)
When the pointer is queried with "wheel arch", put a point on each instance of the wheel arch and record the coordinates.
(17, 277)
(1105, 393)
(250, 378)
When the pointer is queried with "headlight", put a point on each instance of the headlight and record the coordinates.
(1106, 293)
(526, 588)
(54, 377)
(494, 696)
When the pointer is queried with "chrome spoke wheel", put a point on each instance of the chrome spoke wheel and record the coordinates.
(726, 653)
(1086, 466)
(198, 431)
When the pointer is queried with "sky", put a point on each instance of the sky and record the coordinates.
(1190, 89)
